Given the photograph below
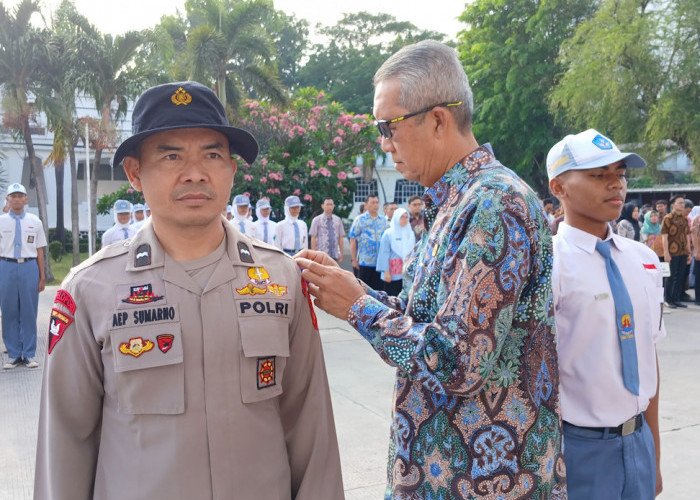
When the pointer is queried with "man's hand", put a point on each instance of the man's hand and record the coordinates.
(386, 276)
(659, 481)
(42, 285)
(335, 289)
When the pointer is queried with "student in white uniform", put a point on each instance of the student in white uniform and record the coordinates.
(608, 300)
(240, 219)
(122, 228)
(292, 234)
(264, 227)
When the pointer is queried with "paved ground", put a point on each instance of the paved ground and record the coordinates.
(361, 386)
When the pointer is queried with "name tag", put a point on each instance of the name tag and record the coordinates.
(601, 296)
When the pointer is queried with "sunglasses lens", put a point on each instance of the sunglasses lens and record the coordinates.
(384, 129)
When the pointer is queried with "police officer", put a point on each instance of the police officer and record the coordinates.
(186, 362)
(22, 241)
(122, 228)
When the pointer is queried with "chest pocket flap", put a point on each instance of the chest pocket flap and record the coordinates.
(263, 357)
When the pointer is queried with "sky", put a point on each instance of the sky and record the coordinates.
(118, 16)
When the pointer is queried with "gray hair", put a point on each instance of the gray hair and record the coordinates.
(428, 73)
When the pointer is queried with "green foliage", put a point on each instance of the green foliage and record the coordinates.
(126, 192)
(357, 46)
(643, 181)
(309, 150)
(509, 52)
(56, 250)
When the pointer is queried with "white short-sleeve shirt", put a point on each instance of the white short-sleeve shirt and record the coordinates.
(33, 236)
(590, 363)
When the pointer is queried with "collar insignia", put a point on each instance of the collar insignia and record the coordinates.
(143, 256)
(181, 97)
(135, 347)
(142, 294)
(244, 253)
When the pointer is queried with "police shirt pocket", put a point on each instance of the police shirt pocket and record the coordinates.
(150, 373)
(264, 353)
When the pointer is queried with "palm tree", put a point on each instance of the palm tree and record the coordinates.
(109, 77)
(228, 45)
(22, 58)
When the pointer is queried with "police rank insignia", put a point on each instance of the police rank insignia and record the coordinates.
(142, 294)
(135, 347)
(165, 341)
(266, 372)
(181, 97)
(259, 284)
(143, 255)
(244, 253)
(58, 324)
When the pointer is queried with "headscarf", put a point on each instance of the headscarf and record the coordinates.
(258, 214)
(402, 237)
(648, 227)
(627, 210)
(123, 207)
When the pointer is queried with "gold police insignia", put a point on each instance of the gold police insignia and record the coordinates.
(181, 97)
(135, 347)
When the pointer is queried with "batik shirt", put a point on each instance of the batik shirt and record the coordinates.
(476, 405)
(368, 233)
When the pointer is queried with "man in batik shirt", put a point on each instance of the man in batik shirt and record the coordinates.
(476, 408)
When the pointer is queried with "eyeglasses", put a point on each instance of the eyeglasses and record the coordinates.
(384, 126)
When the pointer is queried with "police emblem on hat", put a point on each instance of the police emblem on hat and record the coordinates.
(181, 97)
(602, 142)
(135, 347)
(141, 294)
(266, 372)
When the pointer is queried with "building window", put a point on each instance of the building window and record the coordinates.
(104, 173)
(404, 189)
(364, 189)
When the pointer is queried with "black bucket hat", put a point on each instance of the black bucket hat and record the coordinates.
(183, 105)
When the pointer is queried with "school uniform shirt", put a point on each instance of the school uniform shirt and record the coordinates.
(185, 380)
(115, 234)
(33, 236)
(244, 225)
(284, 234)
(260, 230)
(590, 363)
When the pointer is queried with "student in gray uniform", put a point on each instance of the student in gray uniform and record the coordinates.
(187, 363)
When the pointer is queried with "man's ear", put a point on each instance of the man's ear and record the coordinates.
(133, 172)
(557, 187)
(442, 118)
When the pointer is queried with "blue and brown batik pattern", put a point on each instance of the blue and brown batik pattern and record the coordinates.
(476, 409)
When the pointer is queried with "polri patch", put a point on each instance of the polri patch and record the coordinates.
(266, 372)
(58, 324)
(244, 253)
(165, 341)
(135, 347)
(142, 257)
(142, 294)
(64, 298)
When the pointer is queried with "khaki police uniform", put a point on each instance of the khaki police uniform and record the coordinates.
(157, 389)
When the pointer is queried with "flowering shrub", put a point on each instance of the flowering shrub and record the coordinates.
(309, 150)
(126, 192)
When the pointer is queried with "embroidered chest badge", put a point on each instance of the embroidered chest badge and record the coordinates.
(141, 294)
(165, 341)
(135, 347)
(266, 372)
(259, 284)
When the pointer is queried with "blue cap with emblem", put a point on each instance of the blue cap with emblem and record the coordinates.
(292, 201)
(181, 105)
(138, 207)
(16, 188)
(587, 150)
(241, 200)
(262, 204)
(122, 207)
